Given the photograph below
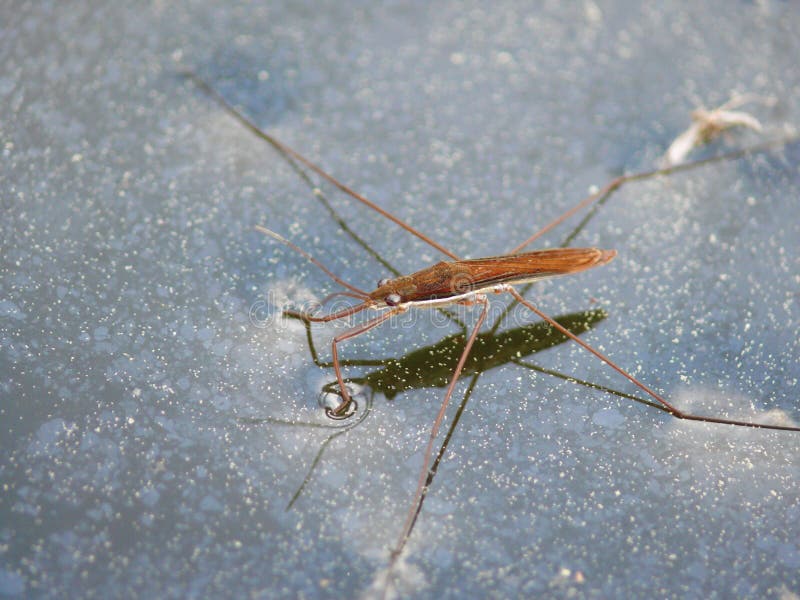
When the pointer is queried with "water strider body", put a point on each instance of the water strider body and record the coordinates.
(447, 282)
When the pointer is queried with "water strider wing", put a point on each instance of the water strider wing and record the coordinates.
(447, 279)
(528, 266)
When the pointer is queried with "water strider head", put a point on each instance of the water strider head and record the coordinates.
(392, 292)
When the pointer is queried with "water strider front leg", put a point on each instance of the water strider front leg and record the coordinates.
(341, 411)
(308, 317)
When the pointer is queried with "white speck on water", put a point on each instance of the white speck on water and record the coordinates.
(504, 58)
(9, 309)
(51, 431)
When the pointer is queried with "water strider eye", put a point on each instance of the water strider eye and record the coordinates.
(383, 282)
(393, 299)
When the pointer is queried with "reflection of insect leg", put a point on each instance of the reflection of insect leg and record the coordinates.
(423, 476)
(343, 430)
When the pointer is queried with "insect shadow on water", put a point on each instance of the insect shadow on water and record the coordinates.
(432, 366)
(468, 283)
(339, 430)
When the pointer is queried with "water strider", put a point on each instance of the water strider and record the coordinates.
(470, 282)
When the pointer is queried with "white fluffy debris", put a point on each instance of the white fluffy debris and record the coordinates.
(709, 124)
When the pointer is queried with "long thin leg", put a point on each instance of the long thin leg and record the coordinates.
(618, 182)
(670, 408)
(423, 475)
(358, 293)
(255, 129)
(326, 318)
(356, 331)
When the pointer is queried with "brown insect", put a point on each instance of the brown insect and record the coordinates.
(469, 282)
